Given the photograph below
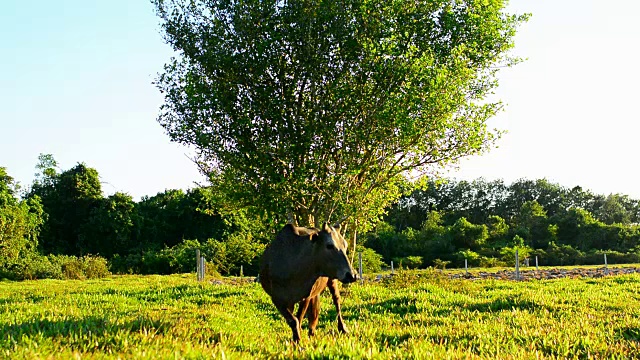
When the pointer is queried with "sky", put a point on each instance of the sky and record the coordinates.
(76, 82)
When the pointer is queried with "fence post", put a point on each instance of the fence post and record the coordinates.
(204, 267)
(241, 271)
(466, 269)
(391, 267)
(198, 266)
(536, 262)
(360, 261)
(517, 266)
(606, 268)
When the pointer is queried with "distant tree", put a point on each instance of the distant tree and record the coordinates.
(383, 239)
(552, 197)
(169, 217)
(109, 228)
(68, 199)
(571, 228)
(531, 223)
(20, 223)
(616, 208)
(498, 229)
(159, 220)
(324, 109)
(466, 235)
(47, 172)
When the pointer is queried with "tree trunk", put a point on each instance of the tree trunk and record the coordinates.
(354, 234)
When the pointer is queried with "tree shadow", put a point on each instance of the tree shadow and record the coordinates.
(183, 293)
(92, 331)
(34, 299)
(393, 339)
(406, 305)
(502, 304)
(630, 333)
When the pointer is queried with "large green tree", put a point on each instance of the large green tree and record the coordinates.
(20, 222)
(325, 109)
(68, 199)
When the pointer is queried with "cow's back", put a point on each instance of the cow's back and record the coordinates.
(282, 258)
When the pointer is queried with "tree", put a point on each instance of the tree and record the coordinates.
(68, 199)
(173, 215)
(466, 235)
(498, 230)
(323, 110)
(615, 209)
(572, 226)
(20, 222)
(110, 226)
(531, 222)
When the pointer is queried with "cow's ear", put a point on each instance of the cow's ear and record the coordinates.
(337, 226)
(326, 227)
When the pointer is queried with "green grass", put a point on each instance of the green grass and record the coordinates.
(414, 315)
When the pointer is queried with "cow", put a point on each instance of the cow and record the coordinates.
(298, 265)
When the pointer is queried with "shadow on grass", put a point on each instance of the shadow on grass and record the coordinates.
(502, 304)
(34, 299)
(630, 333)
(183, 293)
(403, 306)
(87, 334)
(79, 327)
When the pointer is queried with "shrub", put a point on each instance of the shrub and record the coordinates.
(371, 260)
(80, 268)
(488, 262)
(41, 267)
(73, 270)
(410, 262)
(473, 258)
(508, 254)
(96, 267)
(440, 264)
(596, 257)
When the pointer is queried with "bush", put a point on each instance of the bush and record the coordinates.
(73, 270)
(410, 262)
(31, 268)
(488, 262)
(36, 266)
(472, 257)
(41, 267)
(80, 268)
(508, 254)
(440, 264)
(96, 267)
(596, 257)
(371, 260)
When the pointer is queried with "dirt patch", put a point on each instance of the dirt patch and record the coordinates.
(548, 273)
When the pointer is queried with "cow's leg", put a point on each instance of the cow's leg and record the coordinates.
(335, 295)
(287, 313)
(302, 309)
(314, 314)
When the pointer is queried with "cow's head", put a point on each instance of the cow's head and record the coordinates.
(331, 254)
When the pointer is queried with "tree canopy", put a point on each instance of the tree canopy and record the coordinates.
(65, 213)
(324, 109)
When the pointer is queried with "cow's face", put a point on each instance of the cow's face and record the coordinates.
(331, 251)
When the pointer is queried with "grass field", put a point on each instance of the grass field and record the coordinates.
(416, 315)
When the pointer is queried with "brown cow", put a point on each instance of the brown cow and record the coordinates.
(298, 265)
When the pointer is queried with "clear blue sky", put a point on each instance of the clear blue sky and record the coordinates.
(76, 81)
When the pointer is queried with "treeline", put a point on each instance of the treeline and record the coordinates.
(64, 226)
(485, 221)
(64, 215)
